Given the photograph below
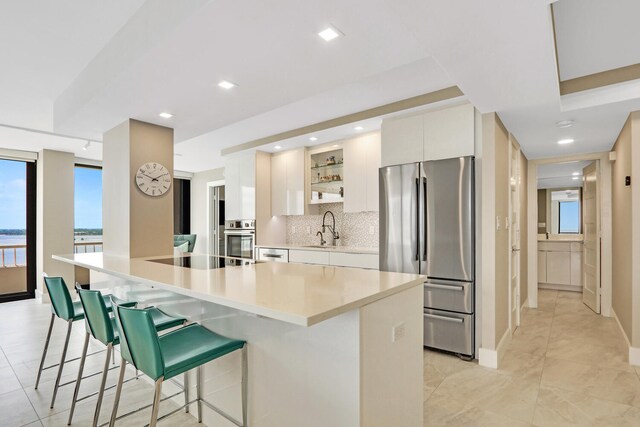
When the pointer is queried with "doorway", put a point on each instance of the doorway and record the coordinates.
(215, 217)
(514, 235)
(570, 216)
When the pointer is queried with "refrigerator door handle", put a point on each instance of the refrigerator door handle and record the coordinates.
(426, 222)
(444, 287)
(417, 219)
(448, 319)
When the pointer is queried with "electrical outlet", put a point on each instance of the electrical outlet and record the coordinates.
(372, 230)
(397, 332)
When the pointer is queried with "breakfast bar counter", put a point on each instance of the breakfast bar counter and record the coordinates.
(326, 345)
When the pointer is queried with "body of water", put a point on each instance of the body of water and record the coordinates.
(20, 257)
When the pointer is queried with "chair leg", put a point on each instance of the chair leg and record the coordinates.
(61, 366)
(96, 414)
(245, 390)
(46, 347)
(156, 403)
(80, 370)
(186, 391)
(199, 390)
(114, 412)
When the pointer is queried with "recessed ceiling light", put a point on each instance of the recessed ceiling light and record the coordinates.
(329, 34)
(565, 141)
(564, 123)
(313, 138)
(226, 84)
(575, 178)
(576, 174)
(86, 146)
(358, 128)
(336, 146)
(277, 147)
(177, 154)
(166, 115)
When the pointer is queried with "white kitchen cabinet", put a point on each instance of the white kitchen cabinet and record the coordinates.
(309, 257)
(449, 132)
(560, 263)
(240, 186)
(433, 135)
(576, 268)
(559, 268)
(287, 183)
(402, 140)
(346, 259)
(361, 166)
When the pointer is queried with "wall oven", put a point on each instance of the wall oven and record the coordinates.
(240, 238)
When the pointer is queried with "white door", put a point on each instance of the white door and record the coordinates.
(591, 233)
(514, 237)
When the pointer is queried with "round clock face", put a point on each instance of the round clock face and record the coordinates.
(153, 179)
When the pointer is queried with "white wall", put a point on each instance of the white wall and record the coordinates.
(199, 206)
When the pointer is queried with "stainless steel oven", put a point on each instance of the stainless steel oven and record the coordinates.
(240, 238)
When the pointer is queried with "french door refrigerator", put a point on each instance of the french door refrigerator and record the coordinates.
(427, 226)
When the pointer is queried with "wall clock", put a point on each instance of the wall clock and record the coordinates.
(153, 179)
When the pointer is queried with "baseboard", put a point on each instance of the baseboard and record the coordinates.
(634, 352)
(491, 358)
(554, 287)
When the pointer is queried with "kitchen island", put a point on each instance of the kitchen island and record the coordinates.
(327, 346)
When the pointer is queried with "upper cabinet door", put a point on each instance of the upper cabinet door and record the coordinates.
(295, 161)
(449, 133)
(361, 165)
(373, 169)
(403, 140)
(279, 184)
(240, 186)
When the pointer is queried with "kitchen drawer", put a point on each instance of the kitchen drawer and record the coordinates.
(449, 331)
(448, 295)
(309, 257)
(273, 255)
(343, 259)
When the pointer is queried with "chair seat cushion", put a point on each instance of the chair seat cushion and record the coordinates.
(192, 346)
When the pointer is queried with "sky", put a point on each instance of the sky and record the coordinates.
(569, 217)
(13, 199)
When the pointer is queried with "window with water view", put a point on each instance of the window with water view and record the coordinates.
(88, 209)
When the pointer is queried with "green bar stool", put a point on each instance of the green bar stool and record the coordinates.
(64, 308)
(101, 327)
(174, 353)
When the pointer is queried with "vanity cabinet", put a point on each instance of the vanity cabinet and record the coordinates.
(560, 263)
(287, 182)
(361, 166)
(434, 135)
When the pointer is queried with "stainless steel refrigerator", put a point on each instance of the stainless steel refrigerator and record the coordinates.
(427, 226)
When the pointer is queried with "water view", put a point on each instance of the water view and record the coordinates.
(12, 254)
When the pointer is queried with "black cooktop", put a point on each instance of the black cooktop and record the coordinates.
(203, 262)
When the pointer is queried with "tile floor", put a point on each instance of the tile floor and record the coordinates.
(565, 366)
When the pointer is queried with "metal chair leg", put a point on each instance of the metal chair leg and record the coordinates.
(186, 391)
(46, 347)
(96, 414)
(114, 412)
(199, 389)
(80, 370)
(61, 367)
(244, 385)
(156, 403)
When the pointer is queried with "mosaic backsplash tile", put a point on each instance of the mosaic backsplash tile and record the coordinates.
(359, 230)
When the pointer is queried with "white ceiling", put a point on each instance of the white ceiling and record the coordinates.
(596, 35)
(142, 58)
(560, 175)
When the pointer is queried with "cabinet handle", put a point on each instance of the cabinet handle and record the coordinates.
(448, 319)
(445, 287)
(271, 256)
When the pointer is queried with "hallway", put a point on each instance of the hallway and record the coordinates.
(565, 366)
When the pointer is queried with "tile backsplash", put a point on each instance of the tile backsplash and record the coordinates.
(358, 230)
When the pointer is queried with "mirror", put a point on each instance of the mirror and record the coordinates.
(560, 198)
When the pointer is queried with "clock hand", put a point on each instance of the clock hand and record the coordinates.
(149, 176)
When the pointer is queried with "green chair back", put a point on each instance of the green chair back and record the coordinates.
(139, 335)
(97, 316)
(179, 239)
(60, 297)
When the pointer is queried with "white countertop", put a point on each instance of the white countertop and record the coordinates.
(346, 249)
(294, 293)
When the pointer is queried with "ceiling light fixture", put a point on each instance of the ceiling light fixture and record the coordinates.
(86, 146)
(336, 146)
(564, 124)
(358, 128)
(166, 115)
(226, 84)
(330, 33)
(575, 178)
(277, 147)
(565, 141)
(576, 174)
(313, 138)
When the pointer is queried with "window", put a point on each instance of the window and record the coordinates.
(565, 211)
(88, 209)
(569, 217)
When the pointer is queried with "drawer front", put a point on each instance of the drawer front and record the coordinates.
(448, 295)
(449, 331)
(309, 257)
(273, 255)
(342, 259)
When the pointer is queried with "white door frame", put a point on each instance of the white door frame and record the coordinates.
(514, 224)
(210, 185)
(605, 227)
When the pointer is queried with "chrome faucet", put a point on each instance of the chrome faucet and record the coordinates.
(322, 241)
(332, 228)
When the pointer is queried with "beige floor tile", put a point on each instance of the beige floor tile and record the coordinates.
(446, 364)
(523, 365)
(8, 380)
(534, 344)
(605, 352)
(16, 409)
(570, 295)
(595, 381)
(557, 407)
